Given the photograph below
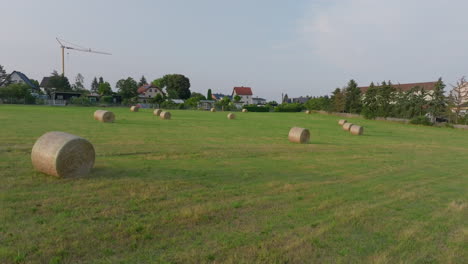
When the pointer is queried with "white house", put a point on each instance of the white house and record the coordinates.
(259, 101)
(19, 77)
(147, 92)
(245, 94)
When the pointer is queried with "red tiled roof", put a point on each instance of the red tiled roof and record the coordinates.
(427, 86)
(145, 88)
(243, 90)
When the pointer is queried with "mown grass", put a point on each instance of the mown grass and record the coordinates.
(204, 189)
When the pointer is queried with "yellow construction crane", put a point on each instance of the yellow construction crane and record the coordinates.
(78, 48)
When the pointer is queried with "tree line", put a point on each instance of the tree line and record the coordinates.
(386, 100)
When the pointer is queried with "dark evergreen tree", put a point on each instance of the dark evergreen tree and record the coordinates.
(353, 98)
(370, 102)
(94, 85)
(142, 81)
(438, 102)
(209, 95)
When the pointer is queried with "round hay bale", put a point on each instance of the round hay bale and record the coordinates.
(347, 126)
(356, 130)
(157, 112)
(63, 155)
(104, 116)
(134, 108)
(231, 116)
(342, 122)
(244, 110)
(165, 115)
(299, 135)
(213, 110)
(307, 112)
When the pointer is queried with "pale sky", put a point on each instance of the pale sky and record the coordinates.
(274, 46)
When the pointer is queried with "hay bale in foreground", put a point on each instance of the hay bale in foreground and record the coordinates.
(307, 112)
(231, 116)
(356, 130)
(213, 110)
(104, 116)
(63, 155)
(342, 122)
(157, 112)
(299, 135)
(134, 108)
(347, 126)
(244, 110)
(165, 115)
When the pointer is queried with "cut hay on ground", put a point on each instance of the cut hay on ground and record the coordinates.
(104, 116)
(356, 130)
(213, 110)
(342, 122)
(157, 112)
(134, 108)
(347, 126)
(244, 110)
(63, 155)
(231, 116)
(299, 135)
(165, 115)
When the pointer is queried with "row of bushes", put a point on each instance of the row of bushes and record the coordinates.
(254, 108)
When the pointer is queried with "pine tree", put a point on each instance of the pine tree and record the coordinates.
(101, 80)
(3, 75)
(94, 85)
(438, 102)
(353, 98)
(370, 105)
(338, 100)
(209, 96)
(142, 81)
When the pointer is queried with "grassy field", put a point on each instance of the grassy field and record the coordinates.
(203, 189)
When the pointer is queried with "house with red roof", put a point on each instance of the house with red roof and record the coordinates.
(147, 92)
(245, 94)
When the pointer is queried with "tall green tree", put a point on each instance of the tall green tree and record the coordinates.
(3, 76)
(177, 85)
(209, 95)
(338, 100)
(353, 98)
(104, 89)
(101, 80)
(127, 88)
(142, 81)
(237, 98)
(94, 85)
(58, 82)
(385, 97)
(370, 102)
(438, 102)
(78, 86)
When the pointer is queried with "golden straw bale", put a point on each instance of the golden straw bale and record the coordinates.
(213, 110)
(347, 126)
(231, 116)
(134, 108)
(307, 112)
(244, 110)
(342, 122)
(356, 130)
(157, 112)
(63, 155)
(165, 115)
(104, 116)
(299, 135)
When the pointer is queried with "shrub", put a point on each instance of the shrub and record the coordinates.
(82, 100)
(106, 99)
(295, 107)
(421, 120)
(254, 108)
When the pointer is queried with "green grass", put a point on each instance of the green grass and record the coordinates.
(204, 189)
